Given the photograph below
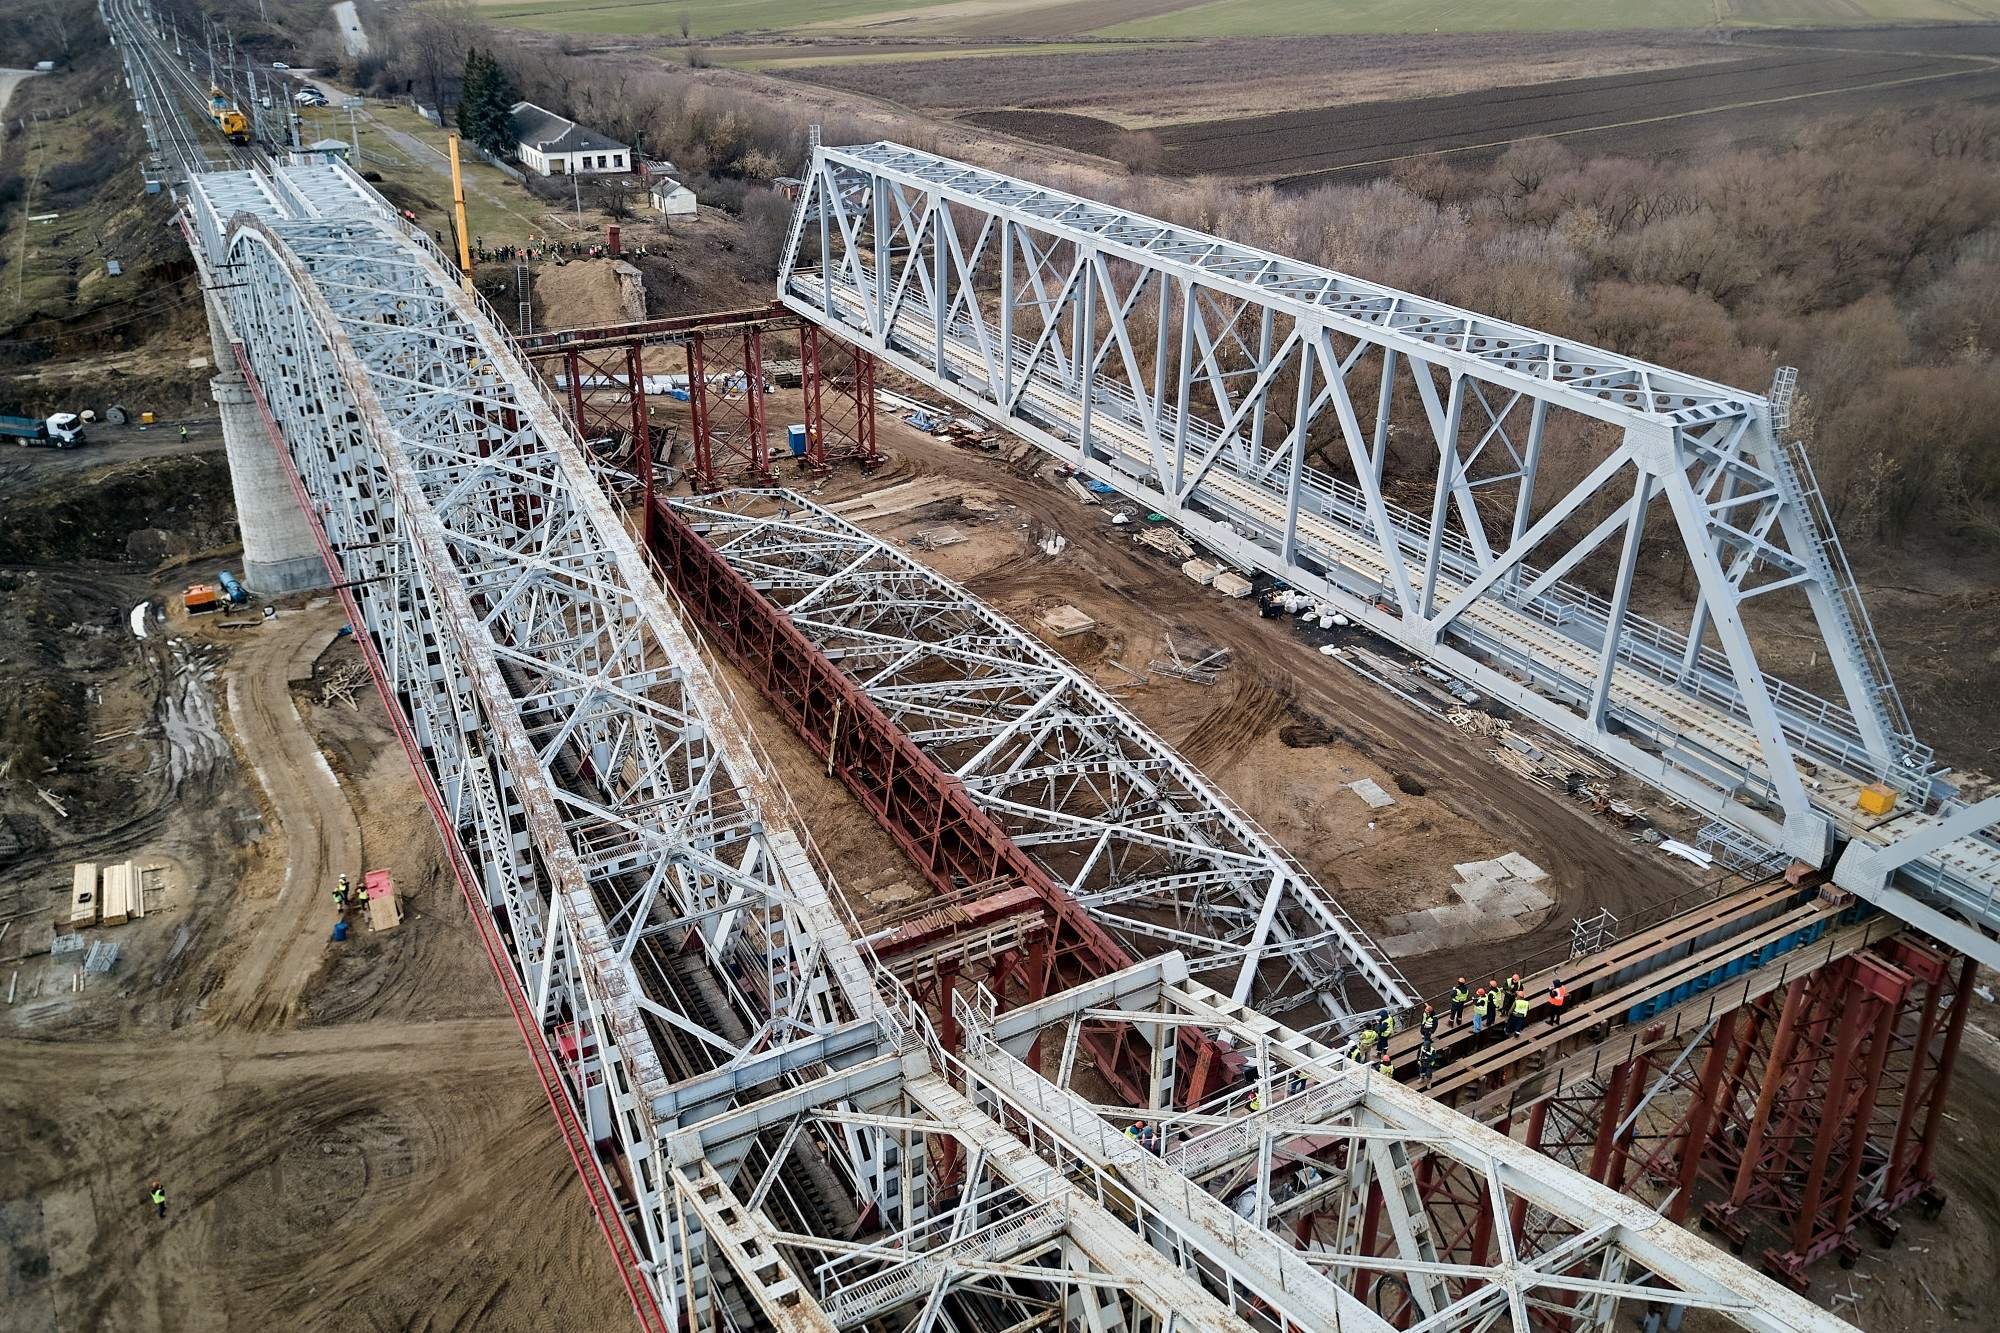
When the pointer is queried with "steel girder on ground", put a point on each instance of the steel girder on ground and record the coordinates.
(578, 753)
(1418, 1216)
(1138, 836)
(1202, 377)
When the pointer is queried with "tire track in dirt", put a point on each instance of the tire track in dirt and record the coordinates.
(376, 1175)
(316, 838)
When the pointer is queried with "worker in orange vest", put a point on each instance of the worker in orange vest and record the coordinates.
(1558, 997)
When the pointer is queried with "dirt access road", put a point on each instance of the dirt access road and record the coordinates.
(286, 908)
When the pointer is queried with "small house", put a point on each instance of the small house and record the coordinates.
(326, 152)
(670, 198)
(552, 145)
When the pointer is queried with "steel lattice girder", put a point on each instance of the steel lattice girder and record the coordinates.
(579, 750)
(1189, 372)
(1135, 832)
(1350, 1169)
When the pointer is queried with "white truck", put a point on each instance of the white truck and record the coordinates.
(64, 430)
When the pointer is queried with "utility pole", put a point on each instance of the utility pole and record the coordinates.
(576, 188)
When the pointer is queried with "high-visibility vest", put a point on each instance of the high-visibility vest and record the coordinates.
(159, 1196)
(1459, 995)
(1428, 1022)
(1369, 1036)
(1387, 1067)
(1559, 996)
(1521, 1005)
(1389, 1026)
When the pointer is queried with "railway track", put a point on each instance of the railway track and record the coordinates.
(175, 99)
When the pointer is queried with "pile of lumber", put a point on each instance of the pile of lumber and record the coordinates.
(343, 685)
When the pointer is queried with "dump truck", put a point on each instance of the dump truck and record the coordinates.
(62, 430)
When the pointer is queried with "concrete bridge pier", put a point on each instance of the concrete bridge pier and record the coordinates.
(280, 554)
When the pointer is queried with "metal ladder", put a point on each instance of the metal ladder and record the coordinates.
(1827, 558)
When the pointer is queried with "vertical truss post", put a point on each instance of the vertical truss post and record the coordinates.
(573, 379)
(642, 437)
(702, 462)
(1947, 1060)
(1701, 1114)
(839, 388)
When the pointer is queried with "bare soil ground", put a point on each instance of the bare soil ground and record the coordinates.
(359, 1143)
(1749, 100)
(1126, 84)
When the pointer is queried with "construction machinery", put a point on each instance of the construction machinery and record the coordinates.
(228, 117)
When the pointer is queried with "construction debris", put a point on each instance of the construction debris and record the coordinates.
(1231, 584)
(1204, 670)
(1370, 791)
(932, 539)
(343, 685)
(1166, 541)
(1065, 621)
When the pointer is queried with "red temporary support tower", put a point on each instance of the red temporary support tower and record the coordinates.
(600, 374)
(726, 396)
(1803, 1113)
(838, 380)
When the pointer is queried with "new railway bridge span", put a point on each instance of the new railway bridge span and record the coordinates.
(785, 1123)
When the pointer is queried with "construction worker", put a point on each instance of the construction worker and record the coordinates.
(1386, 1067)
(1135, 1129)
(1482, 1009)
(1387, 1024)
(340, 892)
(1507, 993)
(1370, 1034)
(1558, 997)
(1427, 1059)
(184, 433)
(1460, 997)
(158, 1198)
(1427, 1022)
(1519, 1018)
(1256, 1101)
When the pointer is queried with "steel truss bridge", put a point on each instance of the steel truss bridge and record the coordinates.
(1255, 401)
(771, 1133)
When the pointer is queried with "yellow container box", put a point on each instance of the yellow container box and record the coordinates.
(1876, 799)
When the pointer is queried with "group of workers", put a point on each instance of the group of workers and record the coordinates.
(344, 896)
(1497, 1004)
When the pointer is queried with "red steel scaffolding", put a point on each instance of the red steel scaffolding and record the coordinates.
(603, 378)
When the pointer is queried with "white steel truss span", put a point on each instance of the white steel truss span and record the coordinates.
(1203, 378)
(615, 816)
(786, 1144)
(1142, 839)
(1294, 1155)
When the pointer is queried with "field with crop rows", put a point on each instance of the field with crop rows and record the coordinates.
(1184, 19)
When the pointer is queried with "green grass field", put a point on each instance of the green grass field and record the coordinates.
(917, 19)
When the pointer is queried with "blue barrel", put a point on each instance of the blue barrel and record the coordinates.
(339, 931)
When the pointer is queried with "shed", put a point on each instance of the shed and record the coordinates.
(671, 198)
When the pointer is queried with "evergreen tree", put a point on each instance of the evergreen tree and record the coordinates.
(486, 101)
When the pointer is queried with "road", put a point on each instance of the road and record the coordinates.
(285, 913)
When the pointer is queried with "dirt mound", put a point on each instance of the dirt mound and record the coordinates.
(588, 291)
